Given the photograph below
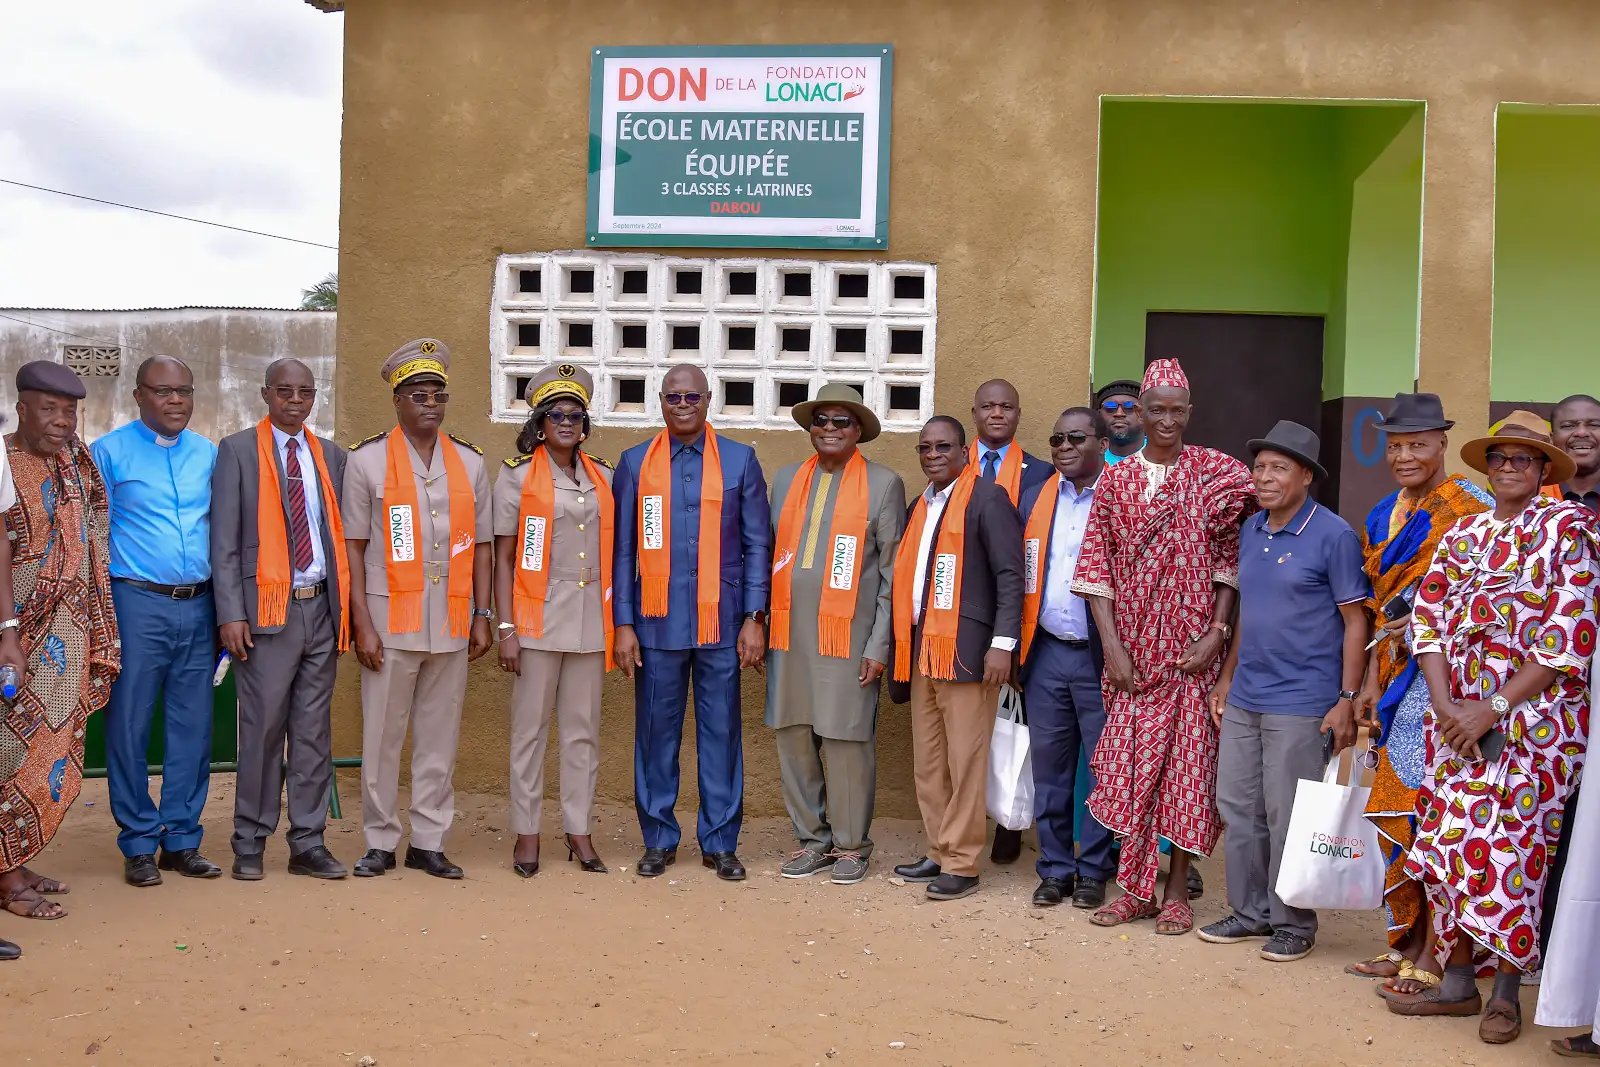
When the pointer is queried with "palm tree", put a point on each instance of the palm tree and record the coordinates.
(324, 296)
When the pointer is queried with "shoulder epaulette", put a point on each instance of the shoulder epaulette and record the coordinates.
(607, 465)
(465, 444)
(516, 461)
(369, 440)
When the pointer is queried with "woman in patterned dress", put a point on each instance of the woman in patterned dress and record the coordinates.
(1503, 630)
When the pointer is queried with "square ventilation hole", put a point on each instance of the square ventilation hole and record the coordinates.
(577, 284)
(741, 283)
(797, 285)
(738, 396)
(850, 340)
(905, 401)
(629, 394)
(688, 283)
(527, 335)
(905, 344)
(794, 341)
(579, 337)
(792, 393)
(686, 339)
(908, 290)
(851, 288)
(740, 340)
(630, 284)
(633, 340)
(529, 280)
(519, 386)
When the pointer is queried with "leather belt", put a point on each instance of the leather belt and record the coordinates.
(310, 592)
(175, 592)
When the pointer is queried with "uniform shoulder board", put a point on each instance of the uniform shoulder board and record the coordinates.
(369, 440)
(516, 461)
(465, 444)
(604, 463)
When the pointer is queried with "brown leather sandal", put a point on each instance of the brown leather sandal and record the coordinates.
(1429, 1002)
(1501, 1023)
(29, 903)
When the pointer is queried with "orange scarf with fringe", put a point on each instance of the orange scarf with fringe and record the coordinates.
(403, 561)
(941, 615)
(655, 534)
(274, 575)
(846, 535)
(536, 523)
(1035, 551)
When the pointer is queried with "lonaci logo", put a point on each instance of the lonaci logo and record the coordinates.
(1335, 847)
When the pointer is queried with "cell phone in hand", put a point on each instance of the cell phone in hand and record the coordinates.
(1327, 748)
(1492, 744)
(1397, 607)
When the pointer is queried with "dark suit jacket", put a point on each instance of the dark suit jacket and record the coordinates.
(746, 544)
(991, 583)
(1030, 496)
(235, 542)
(1035, 472)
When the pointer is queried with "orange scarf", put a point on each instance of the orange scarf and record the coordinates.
(1035, 552)
(403, 562)
(274, 576)
(1009, 476)
(846, 536)
(655, 533)
(941, 614)
(531, 587)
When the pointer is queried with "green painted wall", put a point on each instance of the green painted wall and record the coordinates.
(1263, 207)
(1546, 339)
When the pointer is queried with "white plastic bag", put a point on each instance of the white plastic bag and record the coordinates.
(1332, 858)
(1010, 789)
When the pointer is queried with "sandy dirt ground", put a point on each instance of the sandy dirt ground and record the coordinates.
(572, 967)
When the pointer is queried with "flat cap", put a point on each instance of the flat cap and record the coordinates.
(43, 376)
(562, 379)
(416, 359)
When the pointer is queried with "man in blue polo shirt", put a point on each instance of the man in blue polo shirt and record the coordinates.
(1287, 691)
(158, 477)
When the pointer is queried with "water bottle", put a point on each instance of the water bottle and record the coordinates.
(9, 682)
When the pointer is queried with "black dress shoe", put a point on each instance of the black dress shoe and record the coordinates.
(248, 868)
(317, 862)
(923, 870)
(952, 886)
(8, 951)
(655, 862)
(1090, 893)
(1007, 845)
(726, 864)
(434, 863)
(140, 871)
(189, 863)
(1051, 892)
(376, 862)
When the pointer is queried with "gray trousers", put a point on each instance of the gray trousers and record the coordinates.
(285, 699)
(1260, 761)
(829, 787)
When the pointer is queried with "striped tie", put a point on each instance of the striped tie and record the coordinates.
(299, 525)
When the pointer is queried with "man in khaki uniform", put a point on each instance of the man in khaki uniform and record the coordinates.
(420, 577)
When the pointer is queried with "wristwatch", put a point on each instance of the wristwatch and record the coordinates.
(1227, 630)
(759, 617)
(1500, 704)
(1347, 694)
(482, 613)
(10, 624)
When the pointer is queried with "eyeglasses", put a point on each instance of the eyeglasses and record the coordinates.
(838, 422)
(565, 418)
(290, 392)
(1110, 407)
(1519, 463)
(943, 448)
(166, 391)
(1077, 437)
(678, 400)
(422, 399)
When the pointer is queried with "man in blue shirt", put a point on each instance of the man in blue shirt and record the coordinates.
(158, 477)
(1118, 403)
(1285, 699)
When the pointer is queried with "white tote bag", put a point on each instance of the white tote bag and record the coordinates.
(1331, 857)
(1010, 789)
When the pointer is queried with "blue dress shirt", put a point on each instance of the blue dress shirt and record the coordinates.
(1061, 611)
(984, 452)
(160, 491)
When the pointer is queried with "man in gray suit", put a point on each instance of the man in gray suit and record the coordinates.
(282, 593)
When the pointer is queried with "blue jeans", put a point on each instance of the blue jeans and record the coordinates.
(169, 652)
(660, 690)
(1066, 713)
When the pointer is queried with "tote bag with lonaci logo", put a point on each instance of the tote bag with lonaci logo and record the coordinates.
(1331, 856)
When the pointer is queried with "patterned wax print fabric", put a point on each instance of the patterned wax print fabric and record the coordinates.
(59, 526)
(1398, 541)
(1159, 540)
(1501, 594)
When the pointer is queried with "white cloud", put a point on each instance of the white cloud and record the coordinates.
(223, 111)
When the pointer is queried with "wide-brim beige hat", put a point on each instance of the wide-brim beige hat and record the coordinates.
(1520, 428)
(844, 396)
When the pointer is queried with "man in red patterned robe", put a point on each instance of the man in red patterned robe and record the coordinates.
(1160, 565)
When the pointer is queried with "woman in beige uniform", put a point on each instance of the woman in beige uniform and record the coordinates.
(553, 520)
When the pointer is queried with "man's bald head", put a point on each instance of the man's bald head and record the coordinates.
(685, 399)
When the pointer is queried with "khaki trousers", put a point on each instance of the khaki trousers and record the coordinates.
(425, 689)
(829, 787)
(951, 723)
(569, 683)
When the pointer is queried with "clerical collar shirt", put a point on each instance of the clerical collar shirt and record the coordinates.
(160, 492)
(313, 490)
(1064, 613)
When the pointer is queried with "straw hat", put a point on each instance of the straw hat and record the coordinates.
(1520, 428)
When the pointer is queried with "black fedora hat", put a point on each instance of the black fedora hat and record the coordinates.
(1415, 413)
(1294, 441)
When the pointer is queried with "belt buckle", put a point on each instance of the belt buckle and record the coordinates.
(182, 592)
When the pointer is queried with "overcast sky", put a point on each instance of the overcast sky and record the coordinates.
(226, 111)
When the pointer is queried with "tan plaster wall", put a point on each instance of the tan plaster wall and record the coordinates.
(466, 135)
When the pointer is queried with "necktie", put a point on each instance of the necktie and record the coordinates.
(299, 525)
(991, 465)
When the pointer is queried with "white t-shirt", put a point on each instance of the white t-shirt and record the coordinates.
(8, 491)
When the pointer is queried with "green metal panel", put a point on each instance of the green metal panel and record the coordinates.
(224, 733)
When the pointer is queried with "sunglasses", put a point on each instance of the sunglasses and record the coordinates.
(1077, 437)
(1112, 406)
(943, 448)
(289, 392)
(678, 400)
(1519, 463)
(422, 399)
(838, 422)
(565, 418)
